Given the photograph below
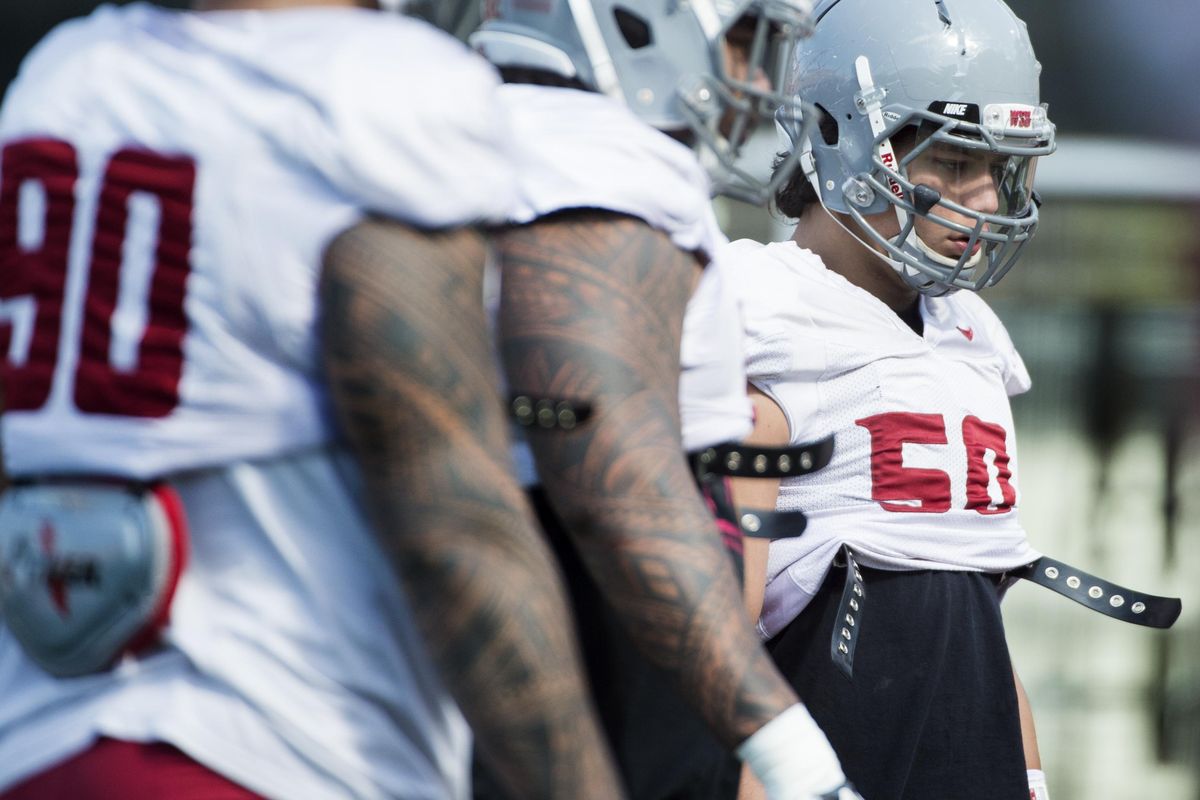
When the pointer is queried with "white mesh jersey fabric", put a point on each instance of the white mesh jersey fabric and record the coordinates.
(924, 470)
(577, 149)
(294, 667)
(217, 154)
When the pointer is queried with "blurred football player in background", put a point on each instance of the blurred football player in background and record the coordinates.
(171, 185)
(916, 191)
(612, 305)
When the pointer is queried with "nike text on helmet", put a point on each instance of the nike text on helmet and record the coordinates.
(952, 83)
(665, 59)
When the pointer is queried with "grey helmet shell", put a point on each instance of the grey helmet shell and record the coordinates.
(663, 58)
(964, 68)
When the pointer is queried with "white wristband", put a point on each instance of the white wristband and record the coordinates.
(1037, 785)
(792, 757)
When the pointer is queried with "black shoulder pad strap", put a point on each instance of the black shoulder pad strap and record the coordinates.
(548, 413)
(1101, 595)
(745, 461)
(762, 524)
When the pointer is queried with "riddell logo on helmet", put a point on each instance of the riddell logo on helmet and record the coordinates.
(889, 160)
(1020, 119)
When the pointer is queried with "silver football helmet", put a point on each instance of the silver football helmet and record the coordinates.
(673, 63)
(938, 118)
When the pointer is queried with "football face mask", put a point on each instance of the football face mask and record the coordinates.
(750, 55)
(934, 128)
(707, 71)
(962, 195)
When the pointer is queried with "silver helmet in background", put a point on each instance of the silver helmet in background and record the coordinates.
(707, 69)
(921, 93)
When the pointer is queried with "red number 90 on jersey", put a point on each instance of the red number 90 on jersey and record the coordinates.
(125, 264)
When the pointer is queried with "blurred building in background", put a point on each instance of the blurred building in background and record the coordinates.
(1105, 308)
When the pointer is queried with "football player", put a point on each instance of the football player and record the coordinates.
(916, 192)
(217, 227)
(613, 305)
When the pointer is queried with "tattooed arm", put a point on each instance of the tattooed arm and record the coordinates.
(407, 353)
(593, 308)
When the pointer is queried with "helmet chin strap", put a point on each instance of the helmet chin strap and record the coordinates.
(870, 102)
(911, 276)
(946, 261)
(808, 165)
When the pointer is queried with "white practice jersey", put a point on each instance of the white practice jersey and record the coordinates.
(198, 164)
(577, 149)
(924, 469)
(168, 183)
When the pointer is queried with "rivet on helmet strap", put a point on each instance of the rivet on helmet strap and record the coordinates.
(868, 98)
(858, 192)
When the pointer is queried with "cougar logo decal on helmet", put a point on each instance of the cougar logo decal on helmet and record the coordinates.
(710, 69)
(938, 118)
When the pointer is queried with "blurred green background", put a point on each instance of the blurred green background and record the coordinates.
(1105, 308)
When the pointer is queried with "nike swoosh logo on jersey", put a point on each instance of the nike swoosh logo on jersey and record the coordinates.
(967, 332)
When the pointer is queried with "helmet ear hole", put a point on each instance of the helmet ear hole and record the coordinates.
(827, 124)
(634, 29)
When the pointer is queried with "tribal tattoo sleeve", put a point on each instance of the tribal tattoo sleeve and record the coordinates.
(408, 356)
(592, 308)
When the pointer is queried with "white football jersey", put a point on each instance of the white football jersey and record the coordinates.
(924, 469)
(198, 164)
(577, 149)
(168, 183)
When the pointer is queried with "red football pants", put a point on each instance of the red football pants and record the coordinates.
(114, 770)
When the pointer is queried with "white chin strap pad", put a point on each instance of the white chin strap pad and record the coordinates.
(946, 261)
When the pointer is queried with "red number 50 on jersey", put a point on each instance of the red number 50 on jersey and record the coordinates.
(33, 278)
(910, 489)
